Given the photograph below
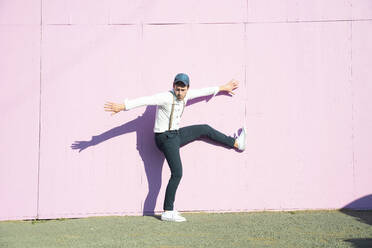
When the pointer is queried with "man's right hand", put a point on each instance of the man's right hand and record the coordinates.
(114, 107)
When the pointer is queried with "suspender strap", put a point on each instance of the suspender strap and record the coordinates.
(183, 107)
(171, 115)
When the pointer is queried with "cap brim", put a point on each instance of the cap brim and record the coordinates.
(179, 81)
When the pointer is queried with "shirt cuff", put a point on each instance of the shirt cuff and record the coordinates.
(216, 90)
(127, 106)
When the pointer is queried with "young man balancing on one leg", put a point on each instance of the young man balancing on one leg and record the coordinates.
(169, 137)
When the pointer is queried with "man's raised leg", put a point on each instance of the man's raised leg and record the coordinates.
(191, 133)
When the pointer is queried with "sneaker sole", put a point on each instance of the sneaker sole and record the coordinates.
(245, 137)
(171, 220)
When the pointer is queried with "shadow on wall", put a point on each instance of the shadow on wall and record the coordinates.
(357, 209)
(363, 203)
(152, 158)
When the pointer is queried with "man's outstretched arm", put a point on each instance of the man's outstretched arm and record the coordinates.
(156, 99)
(229, 87)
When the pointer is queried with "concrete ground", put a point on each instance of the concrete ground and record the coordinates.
(256, 229)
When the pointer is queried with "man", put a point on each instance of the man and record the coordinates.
(169, 137)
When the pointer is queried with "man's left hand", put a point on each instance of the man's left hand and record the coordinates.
(230, 86)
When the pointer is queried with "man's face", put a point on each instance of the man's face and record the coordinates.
(180, 91)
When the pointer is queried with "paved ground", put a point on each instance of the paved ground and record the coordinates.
(259, 229)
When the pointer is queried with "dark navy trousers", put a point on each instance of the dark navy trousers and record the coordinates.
(169, 142)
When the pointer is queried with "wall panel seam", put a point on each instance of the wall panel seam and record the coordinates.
(40, 103)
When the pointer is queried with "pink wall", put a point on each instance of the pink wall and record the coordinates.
(305, 97)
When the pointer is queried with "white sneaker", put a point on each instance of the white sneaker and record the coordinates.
(173, 215)
(241, 140)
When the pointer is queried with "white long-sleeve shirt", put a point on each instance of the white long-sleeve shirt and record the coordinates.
(164, 101)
